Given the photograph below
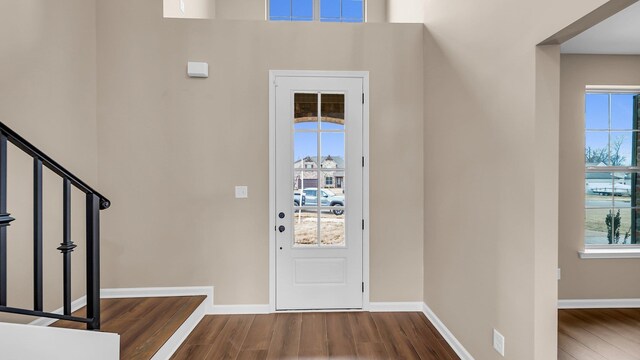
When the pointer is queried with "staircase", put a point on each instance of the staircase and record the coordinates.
(146, 327)
(94, 203)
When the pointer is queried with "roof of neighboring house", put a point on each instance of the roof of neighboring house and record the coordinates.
(338, 160)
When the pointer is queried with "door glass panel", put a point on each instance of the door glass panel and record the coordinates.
(318, 181)
(332, 227)
(305, 224)
(305, 111)
(333, 187)
(332, 111)
(332, 150)
(299, 182)
(305, 150)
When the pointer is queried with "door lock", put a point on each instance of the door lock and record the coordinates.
(281, 228)
(281, 215)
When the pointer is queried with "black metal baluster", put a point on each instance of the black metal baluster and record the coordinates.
(5, 219)
(93, 261)
(67, 246)
(37, 235)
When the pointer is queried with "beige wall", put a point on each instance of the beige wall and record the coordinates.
(48, 95)
(171, 148)
(587, 279)
(490, 244)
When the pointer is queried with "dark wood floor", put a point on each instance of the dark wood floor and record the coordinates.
(144, 324)
(355, 335)
(600, 334)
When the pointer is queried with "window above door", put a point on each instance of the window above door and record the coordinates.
(316, 10)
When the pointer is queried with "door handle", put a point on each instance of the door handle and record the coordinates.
(281, 228)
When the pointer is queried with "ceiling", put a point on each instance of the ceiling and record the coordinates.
(619, 34)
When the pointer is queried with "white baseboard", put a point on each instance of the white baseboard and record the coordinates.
(446, 334)
(598, 303)
(161, 292)
(75, 305)
(241, 309)
(395, 306)
(174, 342)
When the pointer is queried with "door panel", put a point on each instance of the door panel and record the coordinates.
(318, 150)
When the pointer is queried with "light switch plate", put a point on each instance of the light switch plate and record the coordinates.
(181, 6)
(242, 192)
(498, 342)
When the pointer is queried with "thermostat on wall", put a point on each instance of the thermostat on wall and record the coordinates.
(198, 69)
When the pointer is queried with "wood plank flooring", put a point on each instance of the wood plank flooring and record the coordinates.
(353, 335)
(600, 334)
(144, 324)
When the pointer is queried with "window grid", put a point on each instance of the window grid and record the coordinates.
(316, 8)
(619, 218)
(319, 209)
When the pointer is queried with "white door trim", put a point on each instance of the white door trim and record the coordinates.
(273, 74)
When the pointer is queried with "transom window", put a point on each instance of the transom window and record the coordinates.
(316, 10)
(611, 168)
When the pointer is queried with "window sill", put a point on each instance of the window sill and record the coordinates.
(633, 253)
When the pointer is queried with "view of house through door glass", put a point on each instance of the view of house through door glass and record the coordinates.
(319, 193)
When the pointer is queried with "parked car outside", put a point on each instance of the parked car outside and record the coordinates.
(299, 199)
(327, 198)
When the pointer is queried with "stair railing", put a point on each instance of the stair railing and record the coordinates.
(94, 203)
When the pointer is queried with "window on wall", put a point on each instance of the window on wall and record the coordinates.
(612, 209)
(316, 10)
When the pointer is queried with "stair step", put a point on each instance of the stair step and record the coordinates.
(144, 324)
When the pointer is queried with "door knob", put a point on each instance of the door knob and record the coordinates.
(281, 228)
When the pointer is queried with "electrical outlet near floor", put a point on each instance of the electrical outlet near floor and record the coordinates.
(498, 342)
(182, 6)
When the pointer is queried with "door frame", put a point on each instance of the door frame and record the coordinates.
(364, 75)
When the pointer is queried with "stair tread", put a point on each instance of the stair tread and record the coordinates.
(144, 324)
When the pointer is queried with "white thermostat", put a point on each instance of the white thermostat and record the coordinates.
(198, 69)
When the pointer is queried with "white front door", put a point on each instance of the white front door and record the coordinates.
(318, 192)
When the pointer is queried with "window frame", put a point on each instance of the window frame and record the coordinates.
(316, 13)
(599, 251)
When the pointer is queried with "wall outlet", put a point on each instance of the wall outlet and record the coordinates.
(498, 342)
(181, 6)
(242, 192)
(559, 274)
